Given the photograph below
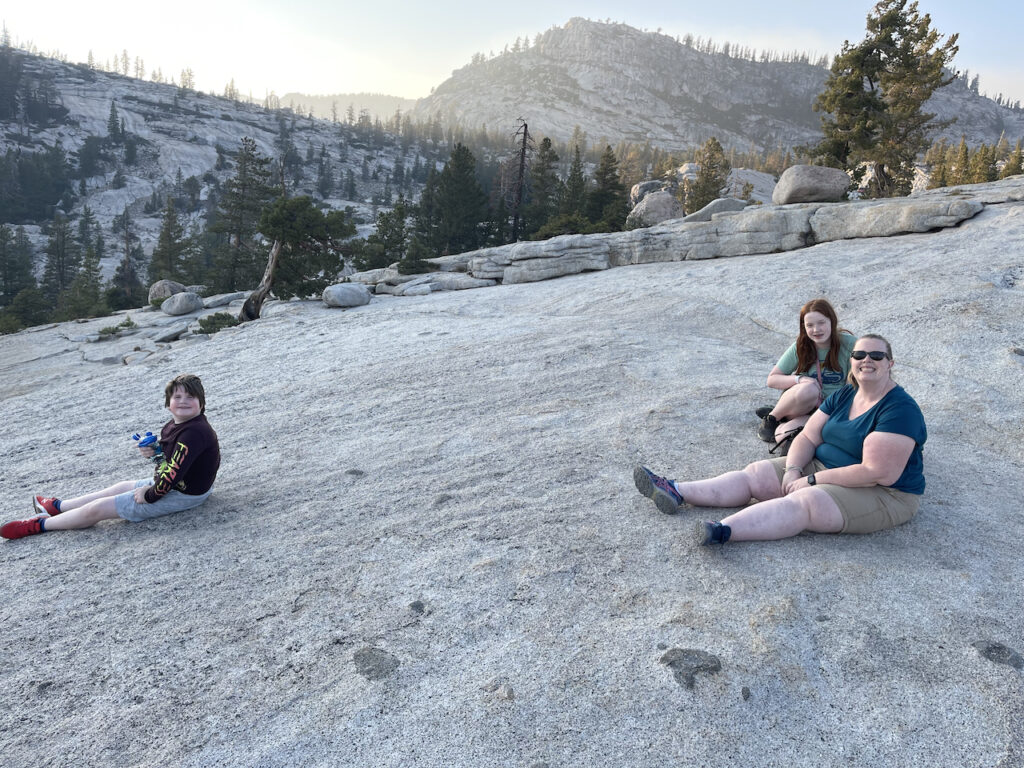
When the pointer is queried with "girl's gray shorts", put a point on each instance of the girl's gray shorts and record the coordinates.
(173, 501)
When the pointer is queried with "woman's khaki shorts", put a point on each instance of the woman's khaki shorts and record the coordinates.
(864, 510)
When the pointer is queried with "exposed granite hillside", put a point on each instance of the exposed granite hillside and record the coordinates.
(425, 547)
(616, 82)
(178, 131)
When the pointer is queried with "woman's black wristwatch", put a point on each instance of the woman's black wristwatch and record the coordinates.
(811, 480)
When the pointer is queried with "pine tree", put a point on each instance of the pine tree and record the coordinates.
(166, 261)
(62, 259)
(414, 261)
(461, 203)
(606, 202)
(246, 195)
(86, 227)
(1014, 163)
(306, 253)
(84, 297)
(15, 264)
(983, 165)
(544, 188)
(962, 164)
(387, 244)
(875, 93)
(324, 177)
(114, 123)
(711, 178)
(426, 215)
(575, 193)
(126, 287)
(938, 175)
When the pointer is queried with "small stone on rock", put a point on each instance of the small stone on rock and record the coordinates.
(685, 663)
(999, 654)
(374, 663)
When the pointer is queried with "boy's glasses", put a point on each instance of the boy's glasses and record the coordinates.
(860, 354)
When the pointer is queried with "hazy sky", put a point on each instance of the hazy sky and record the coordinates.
(406, 48)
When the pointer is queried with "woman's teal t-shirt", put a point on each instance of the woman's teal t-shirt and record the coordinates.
(831, 380)
(843, 438)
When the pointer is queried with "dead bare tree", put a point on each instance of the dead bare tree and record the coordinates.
(252, 306)
(524, 147)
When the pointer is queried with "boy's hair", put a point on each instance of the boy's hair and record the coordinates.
(191, 384)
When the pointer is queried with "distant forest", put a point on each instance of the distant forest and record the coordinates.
(435, 189)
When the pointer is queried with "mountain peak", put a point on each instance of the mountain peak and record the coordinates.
(617, 82)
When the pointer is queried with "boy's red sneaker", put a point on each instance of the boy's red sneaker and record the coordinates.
(19, 529)
(45, 505)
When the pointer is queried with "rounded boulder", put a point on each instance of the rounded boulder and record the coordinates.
(810, 184)
(346, 295)
(182, 303)
(161, 289)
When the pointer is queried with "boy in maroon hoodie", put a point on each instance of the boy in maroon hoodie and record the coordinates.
(183, 480)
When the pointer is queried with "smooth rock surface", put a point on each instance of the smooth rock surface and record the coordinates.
(425, 549)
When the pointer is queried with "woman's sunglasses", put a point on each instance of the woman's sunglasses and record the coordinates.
(860, 354)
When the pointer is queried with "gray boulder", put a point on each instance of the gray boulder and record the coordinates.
(721, 205)
(169, 333)
(421, 285)
(420, 289)
(346, 295)
(654, 208)
(161, 289)
(182, 303)
(644, 188)
(369, 277)
(222, 299)
(810, 184)
(755, 229)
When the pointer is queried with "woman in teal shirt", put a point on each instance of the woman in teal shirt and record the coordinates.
(814, 366)
(856, 468)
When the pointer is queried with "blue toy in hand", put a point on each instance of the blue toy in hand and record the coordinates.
(151, 441)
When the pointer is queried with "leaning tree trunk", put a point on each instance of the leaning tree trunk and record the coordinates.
(253, 305)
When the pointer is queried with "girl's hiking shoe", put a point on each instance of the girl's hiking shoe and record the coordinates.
(658, 489)
(19, 529)
(45, 505)
(767, 429)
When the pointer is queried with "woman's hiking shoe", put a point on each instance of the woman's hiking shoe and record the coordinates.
(764, 410)
(19, 529)
(767, 429)
(658, 489)
(45, 505)
(709, 532)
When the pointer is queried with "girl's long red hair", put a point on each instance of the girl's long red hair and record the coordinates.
(806, 352)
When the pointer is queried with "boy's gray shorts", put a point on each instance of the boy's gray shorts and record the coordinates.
(174, 501)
